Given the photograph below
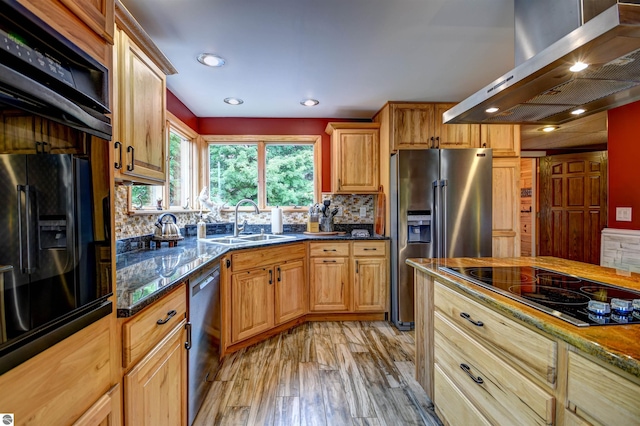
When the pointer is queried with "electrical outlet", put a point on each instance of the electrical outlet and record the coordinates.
(623, 214)
(339, 214)
(363, 211)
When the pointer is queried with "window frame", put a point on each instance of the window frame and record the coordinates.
(262, 141)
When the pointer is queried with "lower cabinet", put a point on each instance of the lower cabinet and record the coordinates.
(266, 287)
(107, 411)
(329, 284)
(370, 278)
(155, 361)
(156, 388)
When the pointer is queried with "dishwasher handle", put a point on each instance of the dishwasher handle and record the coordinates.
(200, 285)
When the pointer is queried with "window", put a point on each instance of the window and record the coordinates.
(178, 192)
(271, 170)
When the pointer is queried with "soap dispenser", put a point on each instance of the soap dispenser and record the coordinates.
(202, 228)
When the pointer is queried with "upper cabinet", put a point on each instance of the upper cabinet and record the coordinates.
(139, 104)
(88, 24)
(354, 157)
(503, 139)
(419, 126)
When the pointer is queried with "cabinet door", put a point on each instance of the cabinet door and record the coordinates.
(454, 135)
(504, 139)
(22, 133)
(291, 291)
(412, 126)
(329, 284)
(251, 303)
(97, 14)
(141, 103)
(156, 388)
(356, 160)
(105, 412)
(506, 207)
(370, 284)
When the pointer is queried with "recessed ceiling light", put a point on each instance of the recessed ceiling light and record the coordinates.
(549, 128)
(578, 111)
(211, 60)
(578, 66)
(491, 110)
(233, 101)
(309, 102)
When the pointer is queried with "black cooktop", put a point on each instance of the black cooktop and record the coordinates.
(561, 295)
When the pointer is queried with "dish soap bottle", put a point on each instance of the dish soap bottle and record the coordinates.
(202, 229)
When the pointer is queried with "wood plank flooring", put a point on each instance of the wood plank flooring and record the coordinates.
(321, 373)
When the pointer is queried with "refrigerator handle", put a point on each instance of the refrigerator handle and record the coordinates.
(435, 219)
(28, 268)
(20, 189)
(443, 200)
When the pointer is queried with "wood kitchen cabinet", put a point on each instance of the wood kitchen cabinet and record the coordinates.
(506, 207)
(370, 276)
(354, 157)
(329, 284)
(263, 289)
(503, 139)
(22, 133)
(419, 126)
(88, 24)
(140, 140)
(155, 362)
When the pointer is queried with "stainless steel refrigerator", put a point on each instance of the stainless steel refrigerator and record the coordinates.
(440, 207)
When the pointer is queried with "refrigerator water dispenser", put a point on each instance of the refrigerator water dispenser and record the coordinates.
(419, 226)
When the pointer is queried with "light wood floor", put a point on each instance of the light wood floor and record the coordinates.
(321, 373)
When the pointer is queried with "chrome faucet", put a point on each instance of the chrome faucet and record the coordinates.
(239, 228)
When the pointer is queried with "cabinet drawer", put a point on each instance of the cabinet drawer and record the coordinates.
(143, 332)
(500, 392)
(529, 350)
(597, 392)
(370, 248)
(256, 258)
(451, 404)
(331, 249)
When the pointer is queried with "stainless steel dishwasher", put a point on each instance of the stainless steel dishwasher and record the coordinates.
(204, 323)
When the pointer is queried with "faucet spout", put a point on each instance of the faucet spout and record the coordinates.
(237, 228)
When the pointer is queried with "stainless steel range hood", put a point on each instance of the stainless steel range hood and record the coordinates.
(543, 90)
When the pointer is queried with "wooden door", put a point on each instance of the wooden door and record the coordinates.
(506, 207)
(156, 388)
(329, 284)
(573, 205)
(291, 291)
(370, 284)
(357, 162)
(454, 135)
(251, 302)
(142, 104)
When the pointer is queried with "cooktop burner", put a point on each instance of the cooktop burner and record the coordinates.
(580, 301)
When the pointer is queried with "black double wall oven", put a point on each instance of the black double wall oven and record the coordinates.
(55, 194)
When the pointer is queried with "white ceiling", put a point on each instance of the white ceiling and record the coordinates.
(351, 55)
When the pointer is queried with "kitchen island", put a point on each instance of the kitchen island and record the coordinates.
(534, 368)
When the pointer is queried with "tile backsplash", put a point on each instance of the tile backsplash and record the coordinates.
(620, 249)
(132, 225)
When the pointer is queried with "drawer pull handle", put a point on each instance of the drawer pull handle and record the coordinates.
(467, 370)
(328, 261)
(328, 249)
(367, 249)
(468, 318)
(170, 315)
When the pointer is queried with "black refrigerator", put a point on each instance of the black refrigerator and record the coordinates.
(49, 246)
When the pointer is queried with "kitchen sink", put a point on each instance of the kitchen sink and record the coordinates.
(265, 237)
(244, 240)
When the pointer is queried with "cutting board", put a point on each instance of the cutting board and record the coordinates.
(378, 225)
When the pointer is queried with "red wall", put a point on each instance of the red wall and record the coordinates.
(260, 126)
(624, 165)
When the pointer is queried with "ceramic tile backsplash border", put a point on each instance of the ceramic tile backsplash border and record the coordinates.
(130, 226)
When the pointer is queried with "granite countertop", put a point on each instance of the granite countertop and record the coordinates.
(618, 345)
(145, 275)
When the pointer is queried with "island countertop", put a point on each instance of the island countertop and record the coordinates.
(618, 345)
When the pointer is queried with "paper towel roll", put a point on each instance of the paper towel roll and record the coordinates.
(276, 220)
